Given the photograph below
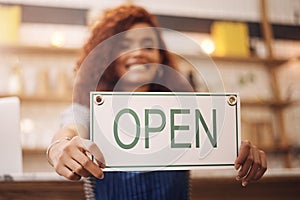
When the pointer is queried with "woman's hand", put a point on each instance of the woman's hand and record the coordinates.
(251, 163)
(71, 159)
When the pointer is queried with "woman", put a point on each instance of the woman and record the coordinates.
(135, 60)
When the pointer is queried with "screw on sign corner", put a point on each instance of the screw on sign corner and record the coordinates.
(99, 100)
(232, 100)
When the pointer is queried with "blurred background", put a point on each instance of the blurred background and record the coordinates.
(255, 45)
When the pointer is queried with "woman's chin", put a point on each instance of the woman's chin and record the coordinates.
(136, 78)
(133, 84)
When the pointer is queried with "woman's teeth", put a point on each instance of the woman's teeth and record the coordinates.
(137, 67)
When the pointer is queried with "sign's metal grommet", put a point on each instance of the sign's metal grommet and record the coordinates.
(232, 100)
(99, 100)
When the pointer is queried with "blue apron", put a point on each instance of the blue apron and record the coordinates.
(155, 185)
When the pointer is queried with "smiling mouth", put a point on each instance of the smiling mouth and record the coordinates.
(138, 67)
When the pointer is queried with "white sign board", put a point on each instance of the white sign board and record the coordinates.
(165, 131)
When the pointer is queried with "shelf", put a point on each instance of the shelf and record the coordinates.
(292, 151)
(34, 150)
(266, 61)
(68, 99)
(270, 103)
(30, 49)
(43, 99)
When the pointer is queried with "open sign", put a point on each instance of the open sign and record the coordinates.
(157, 131)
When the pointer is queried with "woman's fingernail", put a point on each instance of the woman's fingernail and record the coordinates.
(102, 177)
(244, 183)
(238, 178)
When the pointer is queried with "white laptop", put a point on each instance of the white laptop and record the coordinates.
(10, 137)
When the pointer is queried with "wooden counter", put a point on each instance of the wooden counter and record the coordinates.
(41, 190)
(39, 187)
(221, 185)
(205, 185)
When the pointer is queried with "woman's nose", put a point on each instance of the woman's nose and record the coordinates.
(137, 52)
